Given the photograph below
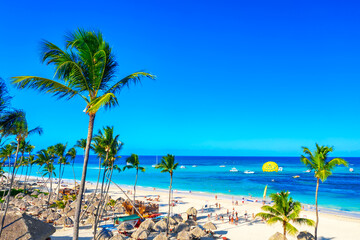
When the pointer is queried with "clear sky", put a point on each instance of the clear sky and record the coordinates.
(234, 77)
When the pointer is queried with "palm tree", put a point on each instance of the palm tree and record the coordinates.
(45, 157)
(81, 143)
(60, 152)
(72, 155)
(168, 165)
(15, 123)
(322, 167)
(85, 68)
(284, 211)
(132, 162)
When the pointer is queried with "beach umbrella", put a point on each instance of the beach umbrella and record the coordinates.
(104, 234)
(71, 213)
(197, 232)
(190, 222)
(120, 209)
(140, 234)
(46, 213)
(118, 237)
(125, 226)
(28, 198)
(270, 167)
(182, 227)
(178, 218)
(35, 193)
(66, 221)
(183, 235)
(34, 211)
(41, 195)
(161, 236)
(191, 211)
(210, 226)
(172, 221)
(90, 220)
(148, 224)
(23, 226)
(53, 217)
(305, 236)
(277, 236)
(23, 205)
(160, 226)
(20, 195)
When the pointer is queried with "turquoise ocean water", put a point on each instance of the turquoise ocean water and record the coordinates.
(341, 191)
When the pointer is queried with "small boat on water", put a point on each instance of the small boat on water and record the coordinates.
(182, 166)
(154, 165)
(280, 169)
(222, 166)
(297, 176)
(249, 172)
(234, 170)
(308, 171)
(351, 169)
(194, 166)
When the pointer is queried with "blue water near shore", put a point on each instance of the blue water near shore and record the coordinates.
(341, 191)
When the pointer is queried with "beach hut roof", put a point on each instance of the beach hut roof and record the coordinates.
(71, 213)
(118, 237)
(191, 211)
(190, 222)
(197, 232)
(182, 227)
(210, 226)
(305, 236)
(183, 235)
(140, 234)
(172, 221)
(23, 226)
(35, 193)
(178, 218)
(65, 221)
(53, 216)
(104, 234)
(90, 220)
(125, 226)
(277, 236)
(20, 195)
(161, 236)
(148, 224)
(160, 226)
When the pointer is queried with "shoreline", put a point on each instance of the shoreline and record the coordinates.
(306, 206)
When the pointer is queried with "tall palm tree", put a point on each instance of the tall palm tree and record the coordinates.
(81, 143)
(319, 163)
(72, 155)
(284, 211)
(85, 68)
(15, 123)
(132, 162)
(168, 165)
(46, 157)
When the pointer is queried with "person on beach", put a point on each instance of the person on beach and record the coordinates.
(229, 219)
(236, 213)
(216, 217)
(215, 197)
(227, 211)
(246, 215)
(209, 216)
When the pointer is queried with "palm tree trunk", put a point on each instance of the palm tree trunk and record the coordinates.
(284, 226)
(168, 220)
(135, 183)
(25, 180)
(83, 177)
(97, 217)
(50, 189)
(9, 192)
(107, 192)
(74, 174)
(59, 179)
(316, 204)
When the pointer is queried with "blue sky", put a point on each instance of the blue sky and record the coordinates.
(234, 77)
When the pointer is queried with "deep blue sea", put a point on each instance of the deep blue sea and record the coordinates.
(341, 191)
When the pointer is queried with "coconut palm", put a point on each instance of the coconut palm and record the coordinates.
(4, 97)
(46, 157)
(81, 143)
(71, 154)
(319, 163)
(168, 165)
(284, 211)
(15, 123)
(60, 152)
(132, 162)
(85, 68)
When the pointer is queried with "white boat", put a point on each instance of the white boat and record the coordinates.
(280, 169)
(351, 169)
(234, 170)
(222, 166)
(308, 170)
(182, 167)
(194, 166)
(249, 172)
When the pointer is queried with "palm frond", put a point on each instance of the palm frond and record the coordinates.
(105, 100)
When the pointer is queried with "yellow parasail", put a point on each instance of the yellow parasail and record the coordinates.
(270, 167)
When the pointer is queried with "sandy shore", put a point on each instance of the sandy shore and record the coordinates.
(334, 227)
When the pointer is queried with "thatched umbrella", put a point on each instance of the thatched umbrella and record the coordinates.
(178, 218)
(35, 211)
(125, 226)
(190, 222)
(41, 196)
(209, 226)
(104, 235)
(73, 204)
(67, 209)
(28, 198)
(172, 221)
(305, 236)
(118, 237)
(140, 234)
(46, 213)
(35, 193)
(183, 235)
(161, 236)
(53, 217)
(148, 224)
(277, 236)
(20, 195)
(91, 209)
(120, 209)
(182, 227)
(66, 221)
(71, 213)
(23, 205)
(160, 226)
(198, 232)
(90, 220)
(23, 226)
(192, 212)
